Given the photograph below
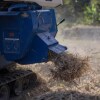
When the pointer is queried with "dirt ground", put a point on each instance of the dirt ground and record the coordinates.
(81, 40)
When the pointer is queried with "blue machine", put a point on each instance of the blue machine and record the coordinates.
(27, 33)
(27, 36)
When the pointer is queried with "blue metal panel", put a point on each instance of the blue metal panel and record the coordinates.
(17, 35)
(27, 36)
(46, 21)
(41, 45)
(38, 53)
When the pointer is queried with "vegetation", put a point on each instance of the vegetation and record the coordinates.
(90, 9)
(92, 14)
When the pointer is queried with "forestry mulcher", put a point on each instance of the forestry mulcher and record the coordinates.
(27, 36)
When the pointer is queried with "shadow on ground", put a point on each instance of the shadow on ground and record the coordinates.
(67, 95)
(35, 88)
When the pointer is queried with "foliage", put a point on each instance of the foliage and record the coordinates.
(88, 9)
(92, 14)
(78, 5)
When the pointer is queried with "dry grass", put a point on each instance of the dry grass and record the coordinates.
(69, 66)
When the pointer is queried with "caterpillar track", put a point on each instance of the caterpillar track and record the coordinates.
(13, 83)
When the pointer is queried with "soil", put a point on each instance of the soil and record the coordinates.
(81, 40)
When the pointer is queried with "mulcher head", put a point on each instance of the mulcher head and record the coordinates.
(28, 33)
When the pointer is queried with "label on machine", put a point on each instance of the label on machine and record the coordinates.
(11, 42)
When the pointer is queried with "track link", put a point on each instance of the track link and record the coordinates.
(12, 76)
(14, 83)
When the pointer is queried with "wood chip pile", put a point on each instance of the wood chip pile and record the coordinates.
(69, 66)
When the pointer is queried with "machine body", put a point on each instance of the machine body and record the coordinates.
(27, 33)
(27, 36)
